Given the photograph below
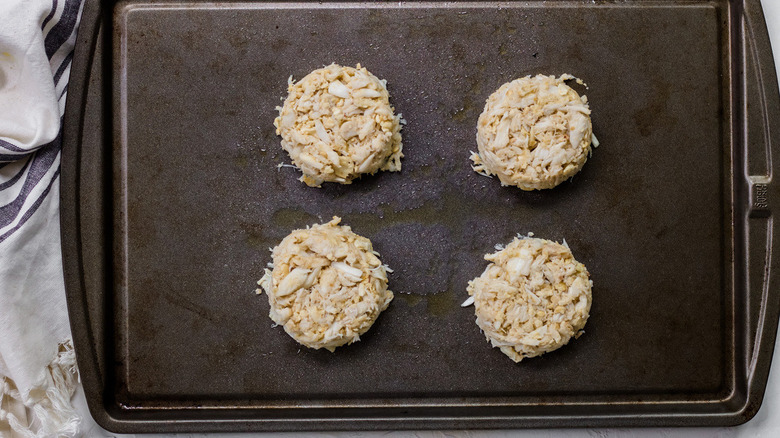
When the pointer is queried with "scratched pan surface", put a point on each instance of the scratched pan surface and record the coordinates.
(172, 197)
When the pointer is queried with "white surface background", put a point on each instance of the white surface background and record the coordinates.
(766, 424)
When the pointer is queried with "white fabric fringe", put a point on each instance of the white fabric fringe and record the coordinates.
(53, 414)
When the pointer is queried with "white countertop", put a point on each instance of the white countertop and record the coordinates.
(766, 424)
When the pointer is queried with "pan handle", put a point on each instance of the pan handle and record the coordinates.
(759, 136)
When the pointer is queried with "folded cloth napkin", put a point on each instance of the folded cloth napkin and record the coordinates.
(37, 362)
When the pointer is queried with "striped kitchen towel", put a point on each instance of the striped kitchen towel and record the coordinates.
(37, 364)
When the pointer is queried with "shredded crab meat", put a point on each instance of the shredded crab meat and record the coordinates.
(534, 133)
(532, 298)
(326, 285)
(337, 124)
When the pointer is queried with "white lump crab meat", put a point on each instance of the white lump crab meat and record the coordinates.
(326, 285)
(534, 133)
(337, 124)
(532, 298)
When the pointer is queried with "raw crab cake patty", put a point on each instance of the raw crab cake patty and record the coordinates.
(327, 285)
(532, 298)
(337, 124)
(534, 133)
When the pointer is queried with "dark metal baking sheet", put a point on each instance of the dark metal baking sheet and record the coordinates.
(171, 197)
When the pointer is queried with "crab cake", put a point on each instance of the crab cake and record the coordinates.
(327, 285)
(337, 124)
(534, 133)
(532, 298)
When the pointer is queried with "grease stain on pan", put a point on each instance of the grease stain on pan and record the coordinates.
(442, 303)
(241, 161)
(254, 235)
(409, 298)
(293, 218)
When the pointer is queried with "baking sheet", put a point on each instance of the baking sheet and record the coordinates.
(180, 191)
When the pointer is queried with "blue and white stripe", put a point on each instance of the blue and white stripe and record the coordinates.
(28, 173)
